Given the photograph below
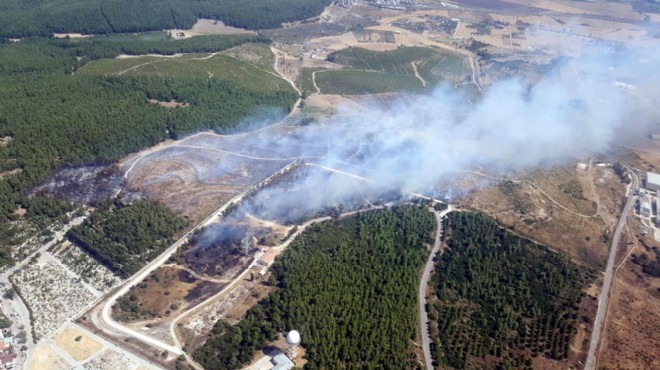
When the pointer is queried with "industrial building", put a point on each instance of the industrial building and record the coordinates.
(652, 181)
(645, 209)
(281, 362)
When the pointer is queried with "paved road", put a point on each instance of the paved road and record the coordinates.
(423, 315)
(104, 320)
(609, 275)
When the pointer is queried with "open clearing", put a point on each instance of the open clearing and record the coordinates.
(433, 65)
(214, 27)
(630, 338)
(77, 344)
(364, 82)
(44, 358)
(373, 72)
(190, 66)
(539, 209)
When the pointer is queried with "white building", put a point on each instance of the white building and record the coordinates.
(645, 206)
(653, 181)
(281, 362)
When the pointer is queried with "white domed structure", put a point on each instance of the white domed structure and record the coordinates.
(293, 337)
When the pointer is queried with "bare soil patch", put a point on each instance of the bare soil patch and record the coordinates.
(20, 211)
(71, 36)
(167, 290)
(44, 358)
(214, 27)
(77, 344)
(526, 210)
(5, 174)
(632, 334)
(169, 104)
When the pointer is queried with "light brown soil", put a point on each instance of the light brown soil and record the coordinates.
(213, 27)
(6, 174)
(239, 310)
(44, 358)
(71, 35)
(20, 211)
(162, 289)
(632, 335)
(169, 104)
(580, 237)
(77, 344)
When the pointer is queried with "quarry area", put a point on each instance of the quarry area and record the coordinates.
(247, 196)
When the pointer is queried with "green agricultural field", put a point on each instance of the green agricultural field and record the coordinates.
(255, 53)
(396, 70)
(356, 82)
(190, 66)
(305, 80)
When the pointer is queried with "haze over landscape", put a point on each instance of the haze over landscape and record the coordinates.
(325, 184)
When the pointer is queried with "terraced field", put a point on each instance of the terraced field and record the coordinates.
(412, 69)
(357, 82)
(191, 66)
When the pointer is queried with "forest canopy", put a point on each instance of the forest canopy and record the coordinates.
(349, 287)
(51, 116)
(126, 237)
(20, 18)
(501, 296)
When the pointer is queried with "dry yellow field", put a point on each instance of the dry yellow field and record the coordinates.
(77, 344)
(44, 358)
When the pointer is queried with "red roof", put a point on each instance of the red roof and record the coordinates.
(6, 358)
(268, 257)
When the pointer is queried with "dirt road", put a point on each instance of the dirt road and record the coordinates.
(603, 302)
(104, 320)
(423, 284)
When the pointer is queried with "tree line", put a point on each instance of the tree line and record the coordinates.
(349, 286)
(42, 18)
(55, 118)
(126, 237)
(501, 296)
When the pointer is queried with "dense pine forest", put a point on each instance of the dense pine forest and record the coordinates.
(501, 298)
(349, 286)
(125, 238)
(50, 116)
(20, 18)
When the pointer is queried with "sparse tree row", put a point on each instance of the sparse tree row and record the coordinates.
(500, 296)
(42, 18)
(55, 118)
(349, 286)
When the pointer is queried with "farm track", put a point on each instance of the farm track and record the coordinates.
(534, 186)
(414, 67)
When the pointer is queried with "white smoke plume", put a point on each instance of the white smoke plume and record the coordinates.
(575, 111)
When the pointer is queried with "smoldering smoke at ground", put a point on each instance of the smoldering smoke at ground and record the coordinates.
(576, 111)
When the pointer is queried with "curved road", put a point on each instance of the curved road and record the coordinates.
(609, 275)
(105, 322)
(423, 315)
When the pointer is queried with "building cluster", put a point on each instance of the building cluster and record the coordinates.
(7, 349)
(649, 195)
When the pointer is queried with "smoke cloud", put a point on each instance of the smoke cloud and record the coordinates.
(576, 110)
